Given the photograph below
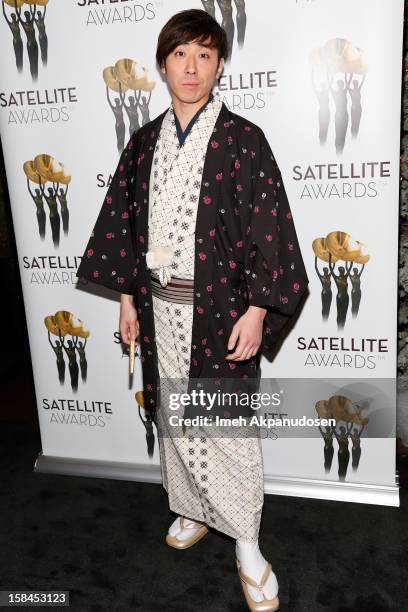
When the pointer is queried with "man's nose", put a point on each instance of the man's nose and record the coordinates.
(191, 67)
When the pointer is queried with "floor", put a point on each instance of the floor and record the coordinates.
(103, 540)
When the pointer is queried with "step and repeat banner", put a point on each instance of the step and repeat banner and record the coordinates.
(322, 78)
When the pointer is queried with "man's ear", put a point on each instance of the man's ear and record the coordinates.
(220, 68)
(163, 68)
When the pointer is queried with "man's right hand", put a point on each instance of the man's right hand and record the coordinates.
(128, 322)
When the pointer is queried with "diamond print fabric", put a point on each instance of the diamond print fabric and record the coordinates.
(175, 185)
(218, 481)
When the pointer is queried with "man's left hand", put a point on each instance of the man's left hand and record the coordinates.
(248, 331)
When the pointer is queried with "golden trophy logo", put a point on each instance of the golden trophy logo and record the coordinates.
(41, 170)
(69, 332)
(341, 408)
(338, 75)
(29, 21)
(227, 20)
(129, 81)
(335, 247)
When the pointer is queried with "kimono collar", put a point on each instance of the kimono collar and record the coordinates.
(183, 135)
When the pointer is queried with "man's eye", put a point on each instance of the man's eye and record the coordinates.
(177, 52)
(205, 55)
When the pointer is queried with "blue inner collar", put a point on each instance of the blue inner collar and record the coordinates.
(183, 135)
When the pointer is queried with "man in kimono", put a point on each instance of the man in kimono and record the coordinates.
(197, 236)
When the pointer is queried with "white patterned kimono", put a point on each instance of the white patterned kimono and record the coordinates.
(218, 481)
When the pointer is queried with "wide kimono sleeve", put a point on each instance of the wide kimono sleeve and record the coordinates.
(276, 274)
(109, 256)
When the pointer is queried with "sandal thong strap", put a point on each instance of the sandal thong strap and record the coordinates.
(248, 580)
(192, 526)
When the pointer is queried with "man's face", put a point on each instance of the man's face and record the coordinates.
(191, 69)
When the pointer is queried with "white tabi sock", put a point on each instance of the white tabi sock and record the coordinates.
(253, 565)
(183, 534)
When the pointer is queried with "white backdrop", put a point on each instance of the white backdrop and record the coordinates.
(64, 113)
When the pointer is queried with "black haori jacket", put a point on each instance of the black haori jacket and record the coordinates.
(246, 247)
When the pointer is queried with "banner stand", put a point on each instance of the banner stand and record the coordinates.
(275, 485)
(329, 103)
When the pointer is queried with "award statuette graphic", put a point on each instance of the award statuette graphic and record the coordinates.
(338, 60)
(337, 246)
(129, 81)
(227, 22)
(29, 20)
(147, 422)
(41, 170)
(69, 332)
(341, 408)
